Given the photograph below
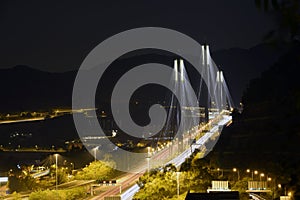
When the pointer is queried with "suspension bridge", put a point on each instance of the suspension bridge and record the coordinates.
(187, 127)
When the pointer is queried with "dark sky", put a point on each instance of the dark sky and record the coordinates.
(56, 36)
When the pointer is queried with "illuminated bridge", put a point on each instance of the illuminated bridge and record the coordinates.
(200, 126)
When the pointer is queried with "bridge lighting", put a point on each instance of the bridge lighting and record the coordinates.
(203, 51)
(181, 65)
(221, 77)
(176, 69)
(95, 152)
(207, 54)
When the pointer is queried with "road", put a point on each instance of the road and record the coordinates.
(125, 182)
(73, 184)
(128, 180)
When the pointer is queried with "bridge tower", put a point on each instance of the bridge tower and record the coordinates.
(206, 65)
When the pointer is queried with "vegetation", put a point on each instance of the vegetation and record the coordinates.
(97, 170)
(69, 194)
(22, 181)
(194, 175)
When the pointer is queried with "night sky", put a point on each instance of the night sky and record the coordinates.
(56, 36)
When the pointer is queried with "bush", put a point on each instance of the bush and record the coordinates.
(70, 194)
(97, 170)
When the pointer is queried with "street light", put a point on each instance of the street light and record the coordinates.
(255, 172)
(218, 169)
(248, 171)
(261, 175)
(148, 148)
(73, 166)
(238, 173)
(148, 164)
(56, 156)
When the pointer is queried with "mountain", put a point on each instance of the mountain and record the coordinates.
(266, 134)
(25, 88)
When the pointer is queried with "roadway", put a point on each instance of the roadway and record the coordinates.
(124, 183)
(256, 196)
(128, 180)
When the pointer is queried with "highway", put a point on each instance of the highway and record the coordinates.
(73, 184)
(128, 181)
(256, 196)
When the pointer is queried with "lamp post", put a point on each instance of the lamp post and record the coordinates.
(73, 165)
(56, 155)
(148, 148)
(218, 169)
(248, 171)
(238, 173)
(261, 175)
(148, 164)
(255, 172)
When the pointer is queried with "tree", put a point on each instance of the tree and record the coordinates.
(97, 170)
(21, 181)
(157, 185)
(69, 194)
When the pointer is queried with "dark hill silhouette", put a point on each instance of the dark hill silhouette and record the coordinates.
(266, 135)
(24, 88)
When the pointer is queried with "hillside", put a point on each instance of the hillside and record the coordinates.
(25, 88)
(267, 133)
